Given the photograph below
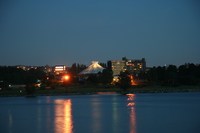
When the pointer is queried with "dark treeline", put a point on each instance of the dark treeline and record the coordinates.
(76, 68)
(13, 75)
(188, 74)
(104, 78)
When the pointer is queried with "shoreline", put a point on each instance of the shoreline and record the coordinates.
(117, 92)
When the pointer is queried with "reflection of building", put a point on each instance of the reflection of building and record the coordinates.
(116, 66)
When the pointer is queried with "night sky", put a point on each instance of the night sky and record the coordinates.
(54, 32)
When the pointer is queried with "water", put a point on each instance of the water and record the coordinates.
(138, 113)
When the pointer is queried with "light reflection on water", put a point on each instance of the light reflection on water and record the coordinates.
(96, 115)
(48, 113)
(134, 113)
(63, 116)
(10, 121)
(115, 116)
(131, 104)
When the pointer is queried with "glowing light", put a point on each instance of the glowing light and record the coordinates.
(132, 80)
(96, 116)
(60, 68)
(92, 69)
(66, 77)
(131, 97)
(38, 85)
(63, 116)
(131, 94)
(130, 104)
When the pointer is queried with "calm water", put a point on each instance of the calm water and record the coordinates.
(139, 113)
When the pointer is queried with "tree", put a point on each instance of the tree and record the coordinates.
(37, 73)
(188, 75)
(182, 70)
(80, 67)
(12, 75)
(124, 81)
(103, 65)
(171, 75)
(93, 79)
(152, 74)
(160, 73)
(124, 59)
(73, 69)
(106, 76)
(30, 85)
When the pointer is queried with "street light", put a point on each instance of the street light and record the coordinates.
(66, 77)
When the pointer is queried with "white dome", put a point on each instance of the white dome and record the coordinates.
(93, 69)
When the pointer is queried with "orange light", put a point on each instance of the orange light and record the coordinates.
(131, 94)
(66, 77)
(130, 104)
(132, 80)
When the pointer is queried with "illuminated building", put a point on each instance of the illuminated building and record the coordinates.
(26, 68)
(95, 68)
(116, 66)
(22, 67)
(132, 66)
(60, 69)
(136, 66)
(47, 69)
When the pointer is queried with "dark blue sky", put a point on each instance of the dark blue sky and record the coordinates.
(52, 32)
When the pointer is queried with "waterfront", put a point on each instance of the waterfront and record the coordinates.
(134, 113)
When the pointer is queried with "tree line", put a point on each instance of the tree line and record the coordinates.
(102, 78)
(188, 74)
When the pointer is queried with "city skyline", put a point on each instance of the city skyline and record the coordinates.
(39, 33)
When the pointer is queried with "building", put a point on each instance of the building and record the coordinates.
(116, 66)
(132, 66)
(47, 69)
(26, 68)
(59, 72)
(136, 66)
(93, 69)
(60, 69)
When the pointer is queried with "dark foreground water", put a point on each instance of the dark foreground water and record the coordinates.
(136, 113)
